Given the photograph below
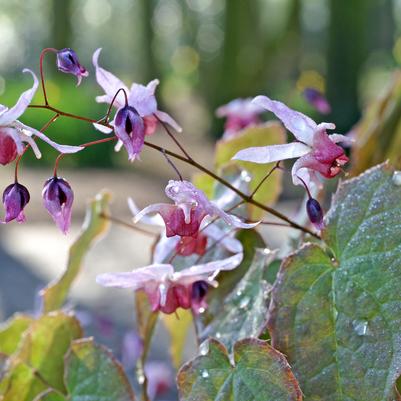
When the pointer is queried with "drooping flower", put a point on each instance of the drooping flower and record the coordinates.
(67, 62)
(166, 289)
(191, 207)
(317, 100)
(15, 198)
(315, 213)
(57, 199)
(317, 152)
(14, 133)
(141, 98)
(130, 130)
(239, 113)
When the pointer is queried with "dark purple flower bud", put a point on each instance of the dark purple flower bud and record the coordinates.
(57, 199)
(130, 129)
(15, 198)
(317, 100)
(315, 213)
(67, 61)
(198, 295)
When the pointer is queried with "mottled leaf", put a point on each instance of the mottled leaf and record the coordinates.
(46, 342)
(338, 319)
(258, 373)
(94, 227)
(11, 332)
(92, 373)
(244, 311)
(271, 133)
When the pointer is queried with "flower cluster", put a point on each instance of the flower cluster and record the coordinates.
(192, 224)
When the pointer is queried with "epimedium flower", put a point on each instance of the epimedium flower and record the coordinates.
(168, 290)
(15, 198)
(191, 207)
(57, 199)
(140, 97)
(130, 130)
(239, 114)
(67, 62)
(13, 133)
(317, 100)
(317, 152)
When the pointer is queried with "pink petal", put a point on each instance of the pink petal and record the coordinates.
(300, 125)
(273, 153)
(109, 82)
(168, 120)
(7, 117)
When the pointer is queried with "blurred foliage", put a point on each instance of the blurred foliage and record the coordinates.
(378, 134)
(205, 53)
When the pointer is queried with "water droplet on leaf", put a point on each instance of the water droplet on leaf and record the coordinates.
(397, 178)
(205, 374)
(360, 327)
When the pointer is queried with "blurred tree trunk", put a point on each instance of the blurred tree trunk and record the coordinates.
(61, 28)
(149, 63)
(347, 51)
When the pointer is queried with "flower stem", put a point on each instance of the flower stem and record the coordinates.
(42, 77)
(128, 225)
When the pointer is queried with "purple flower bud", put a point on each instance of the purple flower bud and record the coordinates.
(198, 295)
(67, 61)
(317, 100)
(315, 213)
(57, 199)
(130, 129)
(15, 198)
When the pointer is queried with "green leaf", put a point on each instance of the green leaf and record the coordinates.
(378, 133)
(271, 133)
(20, 383)
(244, 311)
(46, 342)
(251, 240)
(11, 332)
(91, 372)
(338, 319)
(178, 329)
(258, 373)
(93, 229)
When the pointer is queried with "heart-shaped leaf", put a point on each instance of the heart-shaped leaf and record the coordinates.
(338, 318)
(257, 373)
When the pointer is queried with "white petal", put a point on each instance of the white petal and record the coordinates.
(273, 153)
(341, 138)
(109, 82)
(155, 208)
(153, 221)
(166, 118)
(25, 99)
(300, 125)
(102, 128)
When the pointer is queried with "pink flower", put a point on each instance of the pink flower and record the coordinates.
(141, 98)
(316, 151)
(191, 206)
(240, 113)
(168, 290)
(188, 246)
(317, 100)
(14, 133)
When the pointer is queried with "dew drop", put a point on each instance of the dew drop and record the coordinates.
(205, 374)
(244, 302)
(397, 178)
(218, 335)
(204, 348)
(245, 176)
(360, 327)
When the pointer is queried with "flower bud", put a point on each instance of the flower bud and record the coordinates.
(67, 61)
(198, 295)
(57, 199)
(130, 129)
(8, 149)
(315, 213)
(15, 198)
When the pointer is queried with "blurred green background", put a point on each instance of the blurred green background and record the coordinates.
(205, 53)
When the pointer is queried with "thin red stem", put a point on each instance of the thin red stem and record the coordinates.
(264, 179)
(106, 119)
(128, 225)
(42, 78)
